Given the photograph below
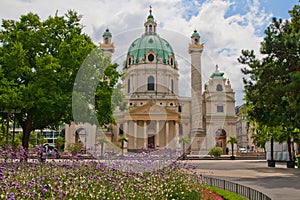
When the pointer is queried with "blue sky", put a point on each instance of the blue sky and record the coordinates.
(226, 27)
(279, 8)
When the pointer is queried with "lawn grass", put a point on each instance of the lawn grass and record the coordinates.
(225, 194)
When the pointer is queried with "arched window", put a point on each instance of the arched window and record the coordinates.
(172, 86)
(128, 86)
(129, 61)
(172, 61)
(150, 28)
(106, 40)
(219, 87)
(150, 83)
(196, 41)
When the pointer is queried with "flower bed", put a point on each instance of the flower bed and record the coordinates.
(142, 176)
(93, 180)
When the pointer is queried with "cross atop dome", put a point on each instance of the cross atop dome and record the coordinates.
(150, 16)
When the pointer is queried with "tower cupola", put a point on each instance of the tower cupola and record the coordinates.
(195, 37)
(107, 46)
(150, 24)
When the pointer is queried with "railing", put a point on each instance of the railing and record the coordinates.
(242, 190)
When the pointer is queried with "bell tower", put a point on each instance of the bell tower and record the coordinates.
(107, 46)
(197, 130)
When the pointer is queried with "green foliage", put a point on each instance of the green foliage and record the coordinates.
(215, 152)
(122, 139)
(184, 140)
(232, 140)
(39, 62)
(225, 194)
(59, 142)
(75, 148)
(118, 98)
(272, 82)
(35, 139)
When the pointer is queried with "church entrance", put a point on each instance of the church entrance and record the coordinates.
(221, 139)
(151, 141)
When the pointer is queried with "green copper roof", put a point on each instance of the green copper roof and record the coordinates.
(107, 33)
(195, 34)
(217, 74)
(139, 48)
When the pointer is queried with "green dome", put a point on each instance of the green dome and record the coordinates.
(107, 33)
(195, 34)
(150, 16)
(141, 46)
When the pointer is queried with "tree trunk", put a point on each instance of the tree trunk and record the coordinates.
(232, 149)
(27, 128)
(272, 148)
(289, 148)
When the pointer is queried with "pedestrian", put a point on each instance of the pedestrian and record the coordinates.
(227, 150)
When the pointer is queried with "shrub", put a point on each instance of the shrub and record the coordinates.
(215, 151)
(75, 148)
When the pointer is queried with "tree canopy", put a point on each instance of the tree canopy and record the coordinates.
(272, 83)
(39, 61)
(272, 89)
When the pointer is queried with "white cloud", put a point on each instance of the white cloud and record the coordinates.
(224, 37)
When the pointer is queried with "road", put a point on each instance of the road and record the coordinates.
(279, 183)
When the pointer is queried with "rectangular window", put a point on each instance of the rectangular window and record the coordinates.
(220, 109)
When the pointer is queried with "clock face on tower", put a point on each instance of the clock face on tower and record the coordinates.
(150, 57)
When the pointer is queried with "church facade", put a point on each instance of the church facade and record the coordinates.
(156, 116)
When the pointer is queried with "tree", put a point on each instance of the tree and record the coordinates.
(122, 139)
(39, 61)
(232, 141)
(215, 152)
(272, 83)
(59, 142)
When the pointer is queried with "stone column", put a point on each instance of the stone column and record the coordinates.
(135, 134)
(177, 135)
(157, 134)
(125, 132)
(145, 136)
(167, 133)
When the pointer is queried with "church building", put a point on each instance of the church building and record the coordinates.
(156, 116)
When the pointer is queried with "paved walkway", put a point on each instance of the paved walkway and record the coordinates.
(279, 183)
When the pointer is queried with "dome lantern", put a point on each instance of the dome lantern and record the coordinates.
(150, 24)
